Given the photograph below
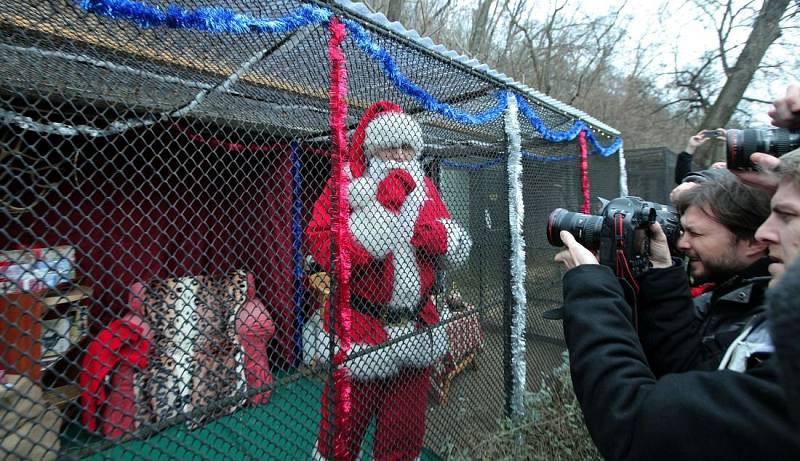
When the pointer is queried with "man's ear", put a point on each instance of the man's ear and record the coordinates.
(753, 248)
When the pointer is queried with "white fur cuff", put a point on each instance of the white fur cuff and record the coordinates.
(459, 244)
(362, 192)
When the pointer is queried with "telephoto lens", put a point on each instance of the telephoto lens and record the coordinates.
(742, 143)
(584, 227)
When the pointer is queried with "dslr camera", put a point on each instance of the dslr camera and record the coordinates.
(742, 143)
(619, 232)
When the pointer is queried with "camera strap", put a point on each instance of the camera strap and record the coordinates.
(621, 266)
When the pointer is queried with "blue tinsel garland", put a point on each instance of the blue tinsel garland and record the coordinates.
(223, 20)
(207, 19)
(297, 252)
(429, 102)
(456, 165)
(547, 158)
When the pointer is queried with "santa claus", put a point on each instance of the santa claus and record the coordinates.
(400, 233)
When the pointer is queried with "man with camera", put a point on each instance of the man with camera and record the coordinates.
(680, 333)
(633, 414)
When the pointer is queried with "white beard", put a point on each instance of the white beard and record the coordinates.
(378, 169)
(381, 232)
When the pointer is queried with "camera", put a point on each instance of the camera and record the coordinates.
(619, 232)
(742, 143)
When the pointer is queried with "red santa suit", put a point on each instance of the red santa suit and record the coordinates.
(400, 232)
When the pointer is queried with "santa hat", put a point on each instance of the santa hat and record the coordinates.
(383, 125)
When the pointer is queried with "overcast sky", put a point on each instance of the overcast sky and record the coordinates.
(684, 28)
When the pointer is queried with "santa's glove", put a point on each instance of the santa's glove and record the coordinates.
(394, 189)
(459, 244)
(361, 192)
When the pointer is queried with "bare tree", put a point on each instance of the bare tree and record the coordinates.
(710, 92)
(394, 9)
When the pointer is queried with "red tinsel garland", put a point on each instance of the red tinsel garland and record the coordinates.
(586, 208)
(342, 385)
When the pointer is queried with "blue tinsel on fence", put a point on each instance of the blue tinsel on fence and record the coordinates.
(297, 252)
(547, 158)
(207, 19)
(428, 101)
(567, 135)
(223, 20)
(456, 165)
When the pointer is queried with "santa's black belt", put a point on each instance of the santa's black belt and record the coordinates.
(382, 311)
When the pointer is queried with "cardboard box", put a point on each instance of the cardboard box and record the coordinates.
(36, 269)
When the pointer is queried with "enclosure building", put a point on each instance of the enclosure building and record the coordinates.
(169, 284)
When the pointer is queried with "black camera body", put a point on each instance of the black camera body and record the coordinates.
(743, 143)
(619, 232)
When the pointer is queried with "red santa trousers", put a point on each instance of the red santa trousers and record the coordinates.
(399, 403)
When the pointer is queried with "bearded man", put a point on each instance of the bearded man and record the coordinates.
(719, 217)
(401, 232)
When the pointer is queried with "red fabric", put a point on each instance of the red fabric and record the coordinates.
(144, 209)
(399, 404)
(119, 411)
(586, 207)
(371, 279)
(700, 289)
(121, 343)
(394, 189)
(255, 328)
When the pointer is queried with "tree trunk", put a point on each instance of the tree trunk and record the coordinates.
(395, 9)
(480, 21)
(766, 30)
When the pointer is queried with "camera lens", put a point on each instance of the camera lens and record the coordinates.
(743, 143)
(584, 227)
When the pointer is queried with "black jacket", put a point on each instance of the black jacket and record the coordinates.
(681, 333)
(681, 416)
(784, 303)
(683, 165)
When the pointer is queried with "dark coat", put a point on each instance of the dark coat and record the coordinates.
(681, 416)
(681, 333)
(784, 303)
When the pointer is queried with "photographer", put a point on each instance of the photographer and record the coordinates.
(719, 218)
(683, 164)
(630, 413)
(781, 231)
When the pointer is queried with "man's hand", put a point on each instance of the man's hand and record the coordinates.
(660, 257)
(679, 189)
(786, 111)
(759, 179)
(575, 254)
(695, 142)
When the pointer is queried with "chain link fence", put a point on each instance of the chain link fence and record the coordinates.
(651, 173)
(172, 235)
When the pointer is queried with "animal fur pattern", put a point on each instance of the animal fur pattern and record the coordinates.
(197, 358)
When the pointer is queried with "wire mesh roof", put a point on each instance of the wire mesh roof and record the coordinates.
(139, 72)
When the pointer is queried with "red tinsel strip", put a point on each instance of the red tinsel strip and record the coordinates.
(240, 147)
(342, 384)
(586, 208)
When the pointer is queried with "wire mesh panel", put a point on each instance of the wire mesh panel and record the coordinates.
(651, 173)
(194, 264)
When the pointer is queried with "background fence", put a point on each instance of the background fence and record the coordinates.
(159, 170)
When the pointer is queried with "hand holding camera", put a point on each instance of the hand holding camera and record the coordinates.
(622, 233)
(660, 256)
(574, 254)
